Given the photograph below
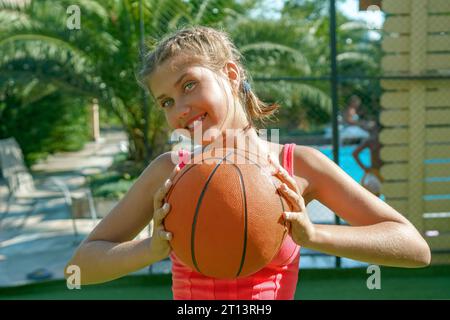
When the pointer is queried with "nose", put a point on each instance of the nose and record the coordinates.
(182, 111)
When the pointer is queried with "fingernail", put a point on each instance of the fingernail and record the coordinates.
(166, 206)
(168, 183)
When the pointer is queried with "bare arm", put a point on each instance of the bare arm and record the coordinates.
(378, 233)
(110, 252)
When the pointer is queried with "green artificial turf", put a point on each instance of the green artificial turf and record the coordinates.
(428, 283)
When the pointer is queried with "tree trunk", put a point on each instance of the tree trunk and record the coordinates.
(136, 144)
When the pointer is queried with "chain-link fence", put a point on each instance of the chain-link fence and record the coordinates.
(371, 93)
(415, 116)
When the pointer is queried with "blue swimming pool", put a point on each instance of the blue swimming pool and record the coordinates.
(349, 165)
(346, 160)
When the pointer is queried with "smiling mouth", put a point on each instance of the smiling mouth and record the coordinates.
(196, 122)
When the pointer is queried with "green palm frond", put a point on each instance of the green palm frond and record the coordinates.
(14, 19)
(165, 15)
(14, 5)
(301, 93)
(92, 7)
(36, 90)
(356, 56)
(201, 12)
(353, 25)
(300, 60)
(41, 38)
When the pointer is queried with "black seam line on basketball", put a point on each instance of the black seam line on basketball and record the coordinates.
(182, 174)
(194, 222)
(279, 194)
(186, 171)
(279, 197)
(244, 249)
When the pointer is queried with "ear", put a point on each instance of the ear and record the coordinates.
(231, 71)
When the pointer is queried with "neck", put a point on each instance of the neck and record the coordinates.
(245, 138)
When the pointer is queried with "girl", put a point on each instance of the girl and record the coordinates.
(197, 78)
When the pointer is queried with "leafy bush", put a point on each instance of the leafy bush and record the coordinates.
(53, 123)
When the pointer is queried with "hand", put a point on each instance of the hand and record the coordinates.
(301, 228)
(160, 246)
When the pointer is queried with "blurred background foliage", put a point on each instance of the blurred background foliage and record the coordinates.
(49, 74)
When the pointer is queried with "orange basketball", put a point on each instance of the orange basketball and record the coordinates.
(226, 214)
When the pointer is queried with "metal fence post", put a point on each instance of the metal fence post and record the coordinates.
(334, 95)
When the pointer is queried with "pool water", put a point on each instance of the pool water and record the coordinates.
(346, 160)
(349, 165)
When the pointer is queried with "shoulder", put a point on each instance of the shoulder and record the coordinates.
(166, 159)
(306, 159)
(160, 167)
(312, 165)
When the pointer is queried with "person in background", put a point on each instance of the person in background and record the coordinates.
(372, 177)
(351, 113)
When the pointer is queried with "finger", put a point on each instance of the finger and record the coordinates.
(291, 196)
(161, 213)
(161, 193)
(158, 198)
(288, 220)
(283, 175)
(169, 182)
(290, 216)
(175, 171)
(289, 180)
(165, 235)
(297, 198)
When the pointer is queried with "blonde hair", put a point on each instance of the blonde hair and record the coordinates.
(213, 48)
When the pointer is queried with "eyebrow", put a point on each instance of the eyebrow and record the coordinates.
(175, 84)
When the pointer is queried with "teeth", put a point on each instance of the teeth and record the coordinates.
(196, 122)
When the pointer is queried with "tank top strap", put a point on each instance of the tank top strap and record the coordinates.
(288, 158)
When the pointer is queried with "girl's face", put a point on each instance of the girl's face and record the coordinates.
(188, 91)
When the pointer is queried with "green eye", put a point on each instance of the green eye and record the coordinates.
(164, 104)
(189, 85)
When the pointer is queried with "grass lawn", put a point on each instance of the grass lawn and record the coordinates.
(347, 284)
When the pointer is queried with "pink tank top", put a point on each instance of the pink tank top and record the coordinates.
(276, 281)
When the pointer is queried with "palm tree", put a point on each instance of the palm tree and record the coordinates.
(97, 61)
(278, 48)
(100, 60)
